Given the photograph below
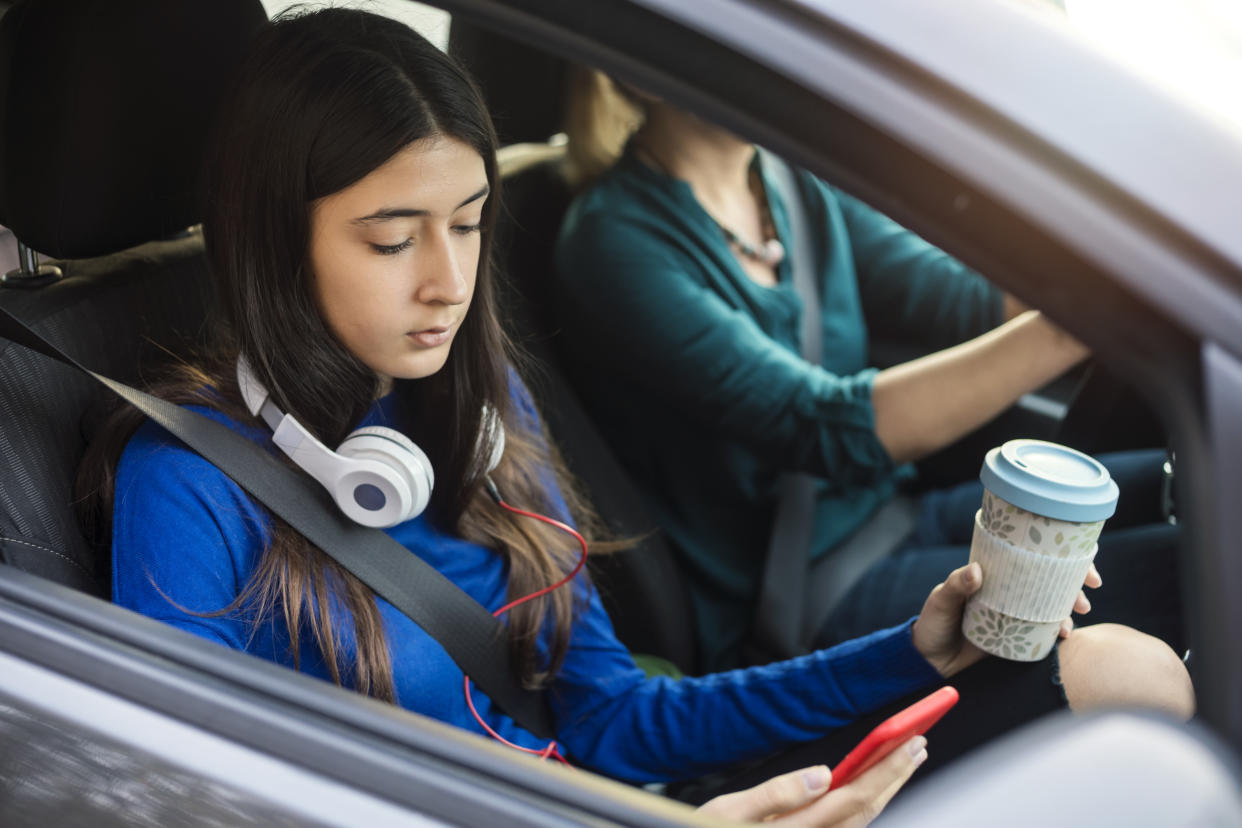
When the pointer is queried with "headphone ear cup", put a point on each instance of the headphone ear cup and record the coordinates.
(392, 482)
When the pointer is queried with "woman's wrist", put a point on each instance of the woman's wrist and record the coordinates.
(1064, 344)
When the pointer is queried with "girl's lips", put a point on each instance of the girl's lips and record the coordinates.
(431, 337)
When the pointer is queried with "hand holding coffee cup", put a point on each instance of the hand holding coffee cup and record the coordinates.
(1044, 506)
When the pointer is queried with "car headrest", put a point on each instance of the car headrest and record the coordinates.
(104, 112)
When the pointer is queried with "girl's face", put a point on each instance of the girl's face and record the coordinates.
(395, 256)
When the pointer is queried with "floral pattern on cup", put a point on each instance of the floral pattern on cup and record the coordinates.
(1059, 538)
(994, 517)
(1006, 636)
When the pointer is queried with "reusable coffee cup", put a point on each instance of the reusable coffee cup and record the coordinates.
(1044, 506)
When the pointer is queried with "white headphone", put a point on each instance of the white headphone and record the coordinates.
(377, 476)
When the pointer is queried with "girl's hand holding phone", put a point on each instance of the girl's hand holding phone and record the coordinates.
(858, 788)
(802, 798)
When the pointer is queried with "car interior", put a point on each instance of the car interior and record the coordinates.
(149, 303)
(98, 173)
(112, 204)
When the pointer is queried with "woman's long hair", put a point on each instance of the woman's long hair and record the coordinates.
(322, 100)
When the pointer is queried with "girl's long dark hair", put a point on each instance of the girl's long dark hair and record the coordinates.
(322, 100)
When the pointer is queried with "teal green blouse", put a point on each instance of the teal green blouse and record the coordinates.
(693, 371)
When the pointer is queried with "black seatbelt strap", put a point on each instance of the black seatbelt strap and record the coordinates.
(777, 627)
(476, 641)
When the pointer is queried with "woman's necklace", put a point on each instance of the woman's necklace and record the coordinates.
(770, 252)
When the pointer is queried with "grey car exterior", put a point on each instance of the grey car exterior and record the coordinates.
(1113, 208)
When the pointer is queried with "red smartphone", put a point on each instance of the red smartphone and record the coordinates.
(892, 732)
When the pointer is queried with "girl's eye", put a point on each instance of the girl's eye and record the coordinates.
(391, 249)
(467, 229)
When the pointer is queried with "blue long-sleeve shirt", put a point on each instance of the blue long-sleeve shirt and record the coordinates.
(186, 540)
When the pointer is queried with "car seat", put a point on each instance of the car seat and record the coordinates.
(103, 112)
(643, 587)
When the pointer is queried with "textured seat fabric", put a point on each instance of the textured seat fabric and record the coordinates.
(113, 314)
(104, 109)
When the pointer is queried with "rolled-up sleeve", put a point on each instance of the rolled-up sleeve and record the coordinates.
(911, 290)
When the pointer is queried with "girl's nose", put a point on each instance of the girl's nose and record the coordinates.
(443, 278)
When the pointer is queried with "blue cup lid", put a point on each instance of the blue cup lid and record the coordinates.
(1050, 480)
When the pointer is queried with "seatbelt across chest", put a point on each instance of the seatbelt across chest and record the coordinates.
(476, 641)
(777, 627)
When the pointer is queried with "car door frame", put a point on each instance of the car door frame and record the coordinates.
(446, 774)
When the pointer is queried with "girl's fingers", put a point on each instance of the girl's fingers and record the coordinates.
(1067, 627)
(1081, 604)
(1093, 581)
(949, 597)
(773, 798)
(859, 802)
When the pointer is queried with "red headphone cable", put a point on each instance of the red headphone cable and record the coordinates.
(494, 492)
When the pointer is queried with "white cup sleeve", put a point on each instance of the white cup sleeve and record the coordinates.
(1026, 584)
